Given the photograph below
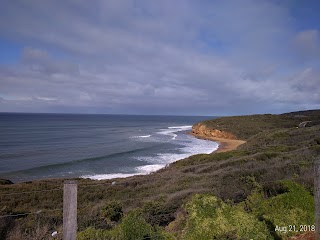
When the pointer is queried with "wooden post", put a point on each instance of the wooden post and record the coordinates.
(317, 196)
(70, 210)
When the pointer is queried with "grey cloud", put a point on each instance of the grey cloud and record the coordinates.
(39, 60)
(308, 44)
(31, 54)
(147, 57)
(308, 81)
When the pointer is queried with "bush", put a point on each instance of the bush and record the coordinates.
(97, 234)
(113, 211)
(156, 213)
(294, 207)
(211, 218)
(5, 182)
(132, 227)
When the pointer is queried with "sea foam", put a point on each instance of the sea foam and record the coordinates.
(191, 146)
(144, 136)
(149, 168)
(171, 131)
(110, 176)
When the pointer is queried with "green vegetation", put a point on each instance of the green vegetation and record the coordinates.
(113, 211)
(255, 218)
(245, 127)
(132, 227)
(211, 218)
(246, 183)
(293, 207)
(207, 217)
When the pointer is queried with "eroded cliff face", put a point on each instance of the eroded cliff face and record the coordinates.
(202, 130)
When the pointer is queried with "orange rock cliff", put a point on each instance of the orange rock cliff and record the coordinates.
(202, 130)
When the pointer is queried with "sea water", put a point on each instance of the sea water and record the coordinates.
(37, 146)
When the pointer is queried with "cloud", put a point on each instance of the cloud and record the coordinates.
(206, 57)
(308, 44)
(40, 60)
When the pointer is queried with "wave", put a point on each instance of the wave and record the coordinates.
(150, 168)
(181, 127)
(144, 136)
(90, 159)
(170, 131)
(109, 176)
(191, 147)
(143, 170)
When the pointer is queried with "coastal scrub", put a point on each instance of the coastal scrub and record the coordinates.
(211, 218)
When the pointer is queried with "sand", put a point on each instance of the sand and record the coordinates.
(225, 145)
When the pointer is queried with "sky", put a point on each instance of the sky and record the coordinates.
(197, 57)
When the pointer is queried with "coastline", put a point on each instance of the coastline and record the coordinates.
(225, 144)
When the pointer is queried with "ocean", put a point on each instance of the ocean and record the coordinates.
(38, 146)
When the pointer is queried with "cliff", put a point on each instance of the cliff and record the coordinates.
(201, 130)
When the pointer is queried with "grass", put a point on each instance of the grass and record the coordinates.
(275, 150)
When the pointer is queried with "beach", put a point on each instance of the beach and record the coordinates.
(225, 144)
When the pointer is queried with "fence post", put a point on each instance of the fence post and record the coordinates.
(317, 197)
(70, 210)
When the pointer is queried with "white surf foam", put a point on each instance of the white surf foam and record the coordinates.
(110, 176)
(144, 136)
(143, 170)
(192, 146)
(170, 131)
(181, 127)
(149, 168)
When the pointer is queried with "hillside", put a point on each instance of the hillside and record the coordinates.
(275, 149)
(244, 127)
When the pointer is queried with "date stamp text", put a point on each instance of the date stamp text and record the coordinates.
(295, 228)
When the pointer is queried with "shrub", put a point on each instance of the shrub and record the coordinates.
(5, 182)
(265, 156)
(211, 218)
(134, 227)
(156, 213)
(97, 234)
(293, 207)
(315, 148)
(113, 211)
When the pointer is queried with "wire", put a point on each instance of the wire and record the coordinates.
(57, 189)
(15, 215)
(36, 191)
(28, 213)
(96, 184)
